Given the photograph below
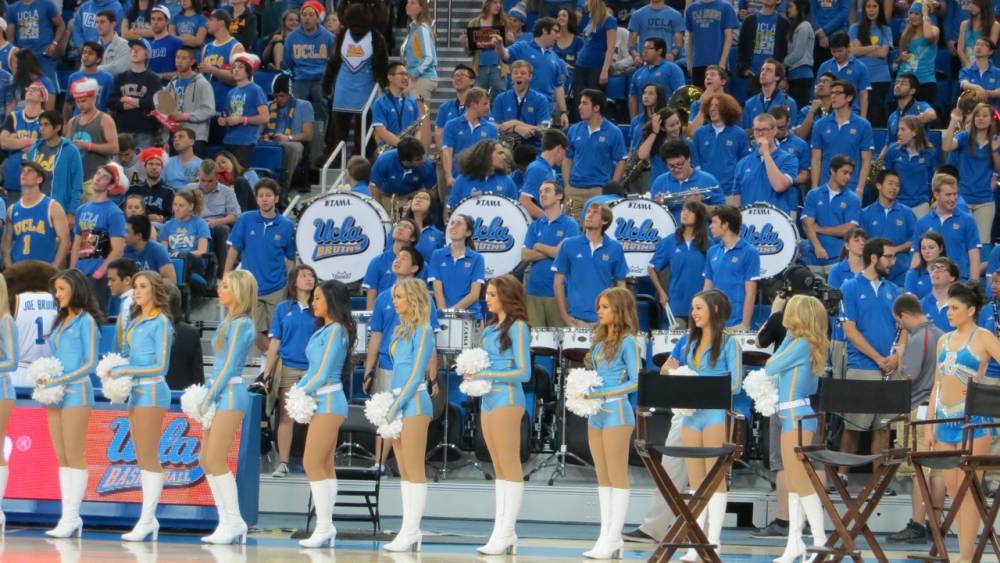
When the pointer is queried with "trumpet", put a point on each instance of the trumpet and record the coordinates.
(410, 130)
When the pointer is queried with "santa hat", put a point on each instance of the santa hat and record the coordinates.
(249, 59)
(119, 180)
(153, 153)
(84, 88)
(316, 6)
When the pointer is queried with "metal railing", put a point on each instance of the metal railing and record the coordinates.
(369, 131)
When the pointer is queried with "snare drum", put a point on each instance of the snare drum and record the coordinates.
(361, 321)
(576, 343)
(753, 353)
(545, 341)
(459, 331)
(664, 342)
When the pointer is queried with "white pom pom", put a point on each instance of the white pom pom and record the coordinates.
(377, 408)
(683, 412)
(391, 430)
(299, 406)
(582, 406)
(108, 362)
(191, 405)
(49, 395)
(475, 387)
(472, 361)
(581, 381)
(44, 370)
(116, 389)
(763, 390)
(683, 370)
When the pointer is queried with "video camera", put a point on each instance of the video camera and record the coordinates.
(800, 280)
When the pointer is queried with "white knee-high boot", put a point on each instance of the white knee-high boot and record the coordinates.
(506, 540)
(324, 532)
(499, 499)
(231, 528)
(3, 487)
(604, 502)
(813, 510)
(152, 487)
(332, 486)
(76, 487)
(691, 554)
(613, 544)
(795, 548)
(63, 495)
(408, 538)
(716, 517)
(213, 486)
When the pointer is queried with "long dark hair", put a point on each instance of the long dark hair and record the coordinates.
(938, 239)
(292, 292)
(470, 225)
(660, 103)
(700, 226)
(81, 298)
(865, 25)
(510, 292)
(28, 70)
(803, 11)
(338, 308)
(969, 294)
(477, 162)
(433, 217)
(719, 309)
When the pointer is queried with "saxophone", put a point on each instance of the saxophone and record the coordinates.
(634, 166)
(511, 140)
(410, 130)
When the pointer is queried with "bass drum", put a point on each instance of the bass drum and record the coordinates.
(638, 224)
(339, 234)
(772, 232)
(500, 227)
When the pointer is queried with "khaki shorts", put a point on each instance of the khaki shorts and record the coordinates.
(265, 309)
(422, 88)
(576, 197)
(863, 422)
(838, 358)
(543, 311)
(906, 469)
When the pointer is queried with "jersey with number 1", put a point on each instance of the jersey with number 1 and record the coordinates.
(35, 315)
(33, 237)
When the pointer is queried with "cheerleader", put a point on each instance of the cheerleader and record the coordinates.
(507, 340)
(74, 342)
(708, 352)
(411, 350)
(799, 363)
(615, 356)
(8, 364)
(329, 358)
(147, 344)
(233, 340)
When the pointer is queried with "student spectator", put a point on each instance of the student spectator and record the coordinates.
(240, 179)
(547, 69)
(148, 254)
(596, 153)
(217, 57)
(943, 274)
(541, 245)
(456, 272)
(871, 40)
(713, 22)
(829, 212)
(522, 110)
(918, 277)
(128, 157)
(293, 125)
(656, 70)
(419, 51)
(186, 357)
(491, 74)
(974, 28)
(586, 265)
(60, 159)
(132, 96)
(91, 55)
(720, 142)
(157, 196)
(20, 131)
(567, 46)
(426, 216)
(846, 68)
(187, 236)
(37, 26)
(819, 107)
(842, 132)
(193, 97)
(36, 224)
(401, 171)
(795, 146)
(981, 76)
(799, 60)
(544, 168)
(462, 132)
(273, 57)
(136, 24)
(732, 266)
(484, 169)
(593, 64)
(958, 228)
(681, 176)
(889, 219)
(656, 19)
(84, 23)
(918, 50)
(181, 169)
(763, 35)
(121, 271)
(92, 132)
(220, 209)
(115, 59)
(395, 110)
(681, 255)
(263, 242)
(912, 157)
(974, 147)
(99, 232)
(904, 90)
(768, 172)
(190, 25)
(716, 79)
(6, 48)
(27, 72)
(379, 275)
(769, 78)
(306, 52)
(828, 18)
(244, 24)
(245, 110)
(162, 59)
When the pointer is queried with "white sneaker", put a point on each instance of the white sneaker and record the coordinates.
(280, 471)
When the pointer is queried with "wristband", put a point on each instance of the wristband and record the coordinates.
(90, 147)
(246, 120)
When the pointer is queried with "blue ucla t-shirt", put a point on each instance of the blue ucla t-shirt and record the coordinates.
(188, 25)
(34, 29)
(244, 101)
(96, 224)
(183, 236)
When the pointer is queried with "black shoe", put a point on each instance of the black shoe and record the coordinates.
(773, 530)
(912, 533)
(890, 492)
(638, 536)
(831, 489)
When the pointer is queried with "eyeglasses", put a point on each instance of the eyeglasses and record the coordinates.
(838, 92)
(677, 164)
(400, 73)
(889, 256)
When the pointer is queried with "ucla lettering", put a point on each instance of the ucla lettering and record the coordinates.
(642, 238)
(178, 453)
(332, 240)
(494, 237)
(766, 241)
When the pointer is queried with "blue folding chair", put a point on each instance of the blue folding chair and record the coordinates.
(264, 78)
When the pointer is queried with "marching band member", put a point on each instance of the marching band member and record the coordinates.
(543, 169)
(466, 130)
(819, 107)
(961, 355)
(732, 266)
(667, 124)
(975, 150)
(795, 146)
(402, 171)
(904, 90)
(507, 340)
(944, 274)
(683, 256)
(148, 341)
(585, 266)
(890, 219)
(520, 109)
(828, 213)
(74, 342)
(329, 354)
(548, 70)
(395, 111)
(918, 278)
(484, 169)
(842, 132)
(709, 352)
(957, 227)
(657, 71)
(768, 173)
(541, 245)
(8, 364)
(652, 98)
(770, 76)
(233, 341)
(799, 363)
(720, 142)
(378, 277)
(851, 263)
(463, 78)
(715, 82)
(615, 356)
(426, 216)
(913, 158)
(457, 272)
(597, 147)
(411, 349)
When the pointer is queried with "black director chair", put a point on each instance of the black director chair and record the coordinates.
(657, 396)
(981, 400)
(840, 396)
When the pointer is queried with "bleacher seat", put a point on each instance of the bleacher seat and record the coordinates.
(63, 77)
(880, 136)
(264, 78)
(617, 88)
(626, 130)
(107, 340)
(268, 157)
